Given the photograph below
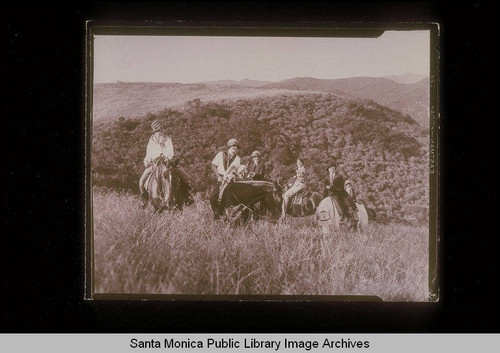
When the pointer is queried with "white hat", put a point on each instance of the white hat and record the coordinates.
(255, 154)
(232, 142)
(155, 125)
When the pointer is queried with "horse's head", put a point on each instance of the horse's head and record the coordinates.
(273, 202)
(173, 192)
(166, 167)
(162, 184)
(171, 184)
(278, 191)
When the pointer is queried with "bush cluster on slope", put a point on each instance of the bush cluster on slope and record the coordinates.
(383, 151)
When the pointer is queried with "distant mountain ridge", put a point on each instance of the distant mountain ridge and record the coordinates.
(245, 83)
(406, 78)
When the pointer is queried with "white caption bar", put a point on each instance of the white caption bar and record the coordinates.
(373, 343)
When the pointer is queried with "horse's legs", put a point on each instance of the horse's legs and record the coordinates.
(285, 205)
(214, 203)
(245, 216)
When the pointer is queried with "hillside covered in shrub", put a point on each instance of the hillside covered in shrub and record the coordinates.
(383, 151)
(411, 99)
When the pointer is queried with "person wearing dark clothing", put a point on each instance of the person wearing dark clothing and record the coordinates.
(335, 187)
(256, 169)
(349, 188)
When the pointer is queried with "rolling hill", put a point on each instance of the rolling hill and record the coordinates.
(382, 150)
(128, 99)
(135, 99)
(411, 99)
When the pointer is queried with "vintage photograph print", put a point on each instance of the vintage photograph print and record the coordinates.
(262, 165)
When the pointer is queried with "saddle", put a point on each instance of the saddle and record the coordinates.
(301, 204)
(299, 198)
(350, 220)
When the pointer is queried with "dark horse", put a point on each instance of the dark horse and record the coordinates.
(242, 199)
(164, 187)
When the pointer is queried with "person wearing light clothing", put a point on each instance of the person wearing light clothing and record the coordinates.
(298, 184)
(224, 165)
(160, 145)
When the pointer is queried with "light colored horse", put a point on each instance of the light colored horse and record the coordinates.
(328, 217)
(162, 186)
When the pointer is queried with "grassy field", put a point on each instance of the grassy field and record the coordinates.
(136, 251)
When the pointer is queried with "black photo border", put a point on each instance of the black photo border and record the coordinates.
(42, 245)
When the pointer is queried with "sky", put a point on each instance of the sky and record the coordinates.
(188, 59)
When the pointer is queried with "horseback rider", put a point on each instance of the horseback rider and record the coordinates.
(224, 165)
(335, 187)
(256, 169)
(160, 145)
(296, 184)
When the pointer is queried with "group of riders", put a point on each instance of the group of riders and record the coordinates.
(227, 167)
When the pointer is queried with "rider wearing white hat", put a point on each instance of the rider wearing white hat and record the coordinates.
(159, 145)
(225, 165)
(225, 162)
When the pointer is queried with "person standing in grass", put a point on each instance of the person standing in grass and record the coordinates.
(160, 145)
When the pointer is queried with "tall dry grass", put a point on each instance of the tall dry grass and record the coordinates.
(136, 251)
